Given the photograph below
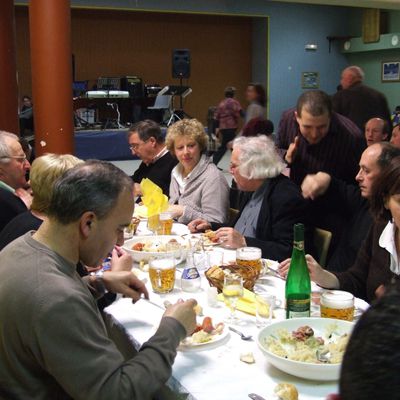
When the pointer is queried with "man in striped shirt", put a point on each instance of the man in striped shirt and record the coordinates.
(317, 139)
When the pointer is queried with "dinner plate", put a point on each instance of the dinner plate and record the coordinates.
(187, 345)
(206, 242)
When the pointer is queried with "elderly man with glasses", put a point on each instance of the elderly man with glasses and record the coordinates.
(14, 199)
(146, 141)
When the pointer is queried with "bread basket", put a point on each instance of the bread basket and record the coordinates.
(215, 275)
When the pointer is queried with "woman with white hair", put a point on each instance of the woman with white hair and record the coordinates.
(271, 206)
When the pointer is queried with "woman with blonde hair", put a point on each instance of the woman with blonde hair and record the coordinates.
(44, 172)
(198, 188)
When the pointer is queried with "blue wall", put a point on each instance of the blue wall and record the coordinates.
(291, 27)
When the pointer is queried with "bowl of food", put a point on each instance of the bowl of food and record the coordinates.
(309, 348)
(146, 248)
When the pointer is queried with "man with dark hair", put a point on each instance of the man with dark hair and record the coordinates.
(14, 199)
(372, 358)
(350, 202)
(227, 116)
(317, 139)
(359, 102)
(146, 141)
(54, 343)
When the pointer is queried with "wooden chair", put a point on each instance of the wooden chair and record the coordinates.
(322, 241)
(232, 215)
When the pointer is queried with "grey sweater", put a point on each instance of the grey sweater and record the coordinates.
(54, 343)
(206, 194)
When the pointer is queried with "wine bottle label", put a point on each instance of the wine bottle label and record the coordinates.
(299, 245)
(297, 308)
(190, 273)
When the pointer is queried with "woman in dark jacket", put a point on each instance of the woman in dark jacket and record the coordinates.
(271, 206)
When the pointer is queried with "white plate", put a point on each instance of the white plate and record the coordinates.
(313, 371)
(186, 344)
(146, 256)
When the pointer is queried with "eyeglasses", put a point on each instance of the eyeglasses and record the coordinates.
(21, 159)
(135, 146)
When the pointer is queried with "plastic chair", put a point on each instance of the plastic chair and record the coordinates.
(162, 105)
(322, 241)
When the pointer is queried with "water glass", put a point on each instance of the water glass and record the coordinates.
(265, 304)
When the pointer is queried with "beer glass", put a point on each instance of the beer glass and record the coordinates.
(337, 304)
(249, 257)
(162, 275)
(165, 225)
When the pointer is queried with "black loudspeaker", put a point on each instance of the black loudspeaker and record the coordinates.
(181, 63)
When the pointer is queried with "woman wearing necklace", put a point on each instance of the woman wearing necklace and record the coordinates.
(378, 260)
(198, 188)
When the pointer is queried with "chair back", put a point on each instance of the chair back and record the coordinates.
(322, 241)
(232, 215)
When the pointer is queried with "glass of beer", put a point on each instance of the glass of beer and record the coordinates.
(165, 225)
(249, 257)
(162, 275)
(153, 223)
(337, 304)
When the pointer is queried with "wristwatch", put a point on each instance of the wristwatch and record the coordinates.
(99, 282)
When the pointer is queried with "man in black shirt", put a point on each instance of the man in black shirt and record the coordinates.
(349, 201)
(147, 142)
(14, 199)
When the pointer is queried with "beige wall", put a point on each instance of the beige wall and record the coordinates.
(118, 43)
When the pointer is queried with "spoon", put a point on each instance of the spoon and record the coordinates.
(242, 335)
(324, 356)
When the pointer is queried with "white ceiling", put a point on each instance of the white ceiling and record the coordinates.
(383, 4)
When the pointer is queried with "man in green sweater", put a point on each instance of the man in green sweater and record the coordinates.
(54, 344)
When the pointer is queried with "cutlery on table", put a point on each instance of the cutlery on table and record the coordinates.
(242, 335)
(255, 396)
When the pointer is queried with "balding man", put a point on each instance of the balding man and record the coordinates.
(349, 201)
(376, 130)
(13, 168)
(357, 101)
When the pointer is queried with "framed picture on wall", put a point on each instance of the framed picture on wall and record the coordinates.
(391, 71)
(310, 80)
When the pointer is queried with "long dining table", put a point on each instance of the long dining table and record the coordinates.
(215, 371)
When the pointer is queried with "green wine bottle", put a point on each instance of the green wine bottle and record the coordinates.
(298, 283)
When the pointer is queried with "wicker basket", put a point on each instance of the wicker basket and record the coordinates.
(215, 275)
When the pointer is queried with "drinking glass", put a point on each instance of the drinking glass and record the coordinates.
(249, 257)
(215, 257)
(265, 304)
(153, 223)
(233, 291)
(162, 275)
(165, 224)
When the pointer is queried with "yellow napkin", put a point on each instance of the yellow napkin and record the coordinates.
(247, 303)
(153, 197)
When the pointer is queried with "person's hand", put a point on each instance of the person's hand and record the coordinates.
(121, 260)
(230, 238)
(137, 190)
(198, 225)
(183, 312)
(292, 150)
(25, 196)
(176, 210)
(317, 274)
(380, 291)
(315, 185)
(126, 283)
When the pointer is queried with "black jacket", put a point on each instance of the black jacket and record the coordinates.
(361, 103)
(346, 201)
(10, 206)
(282, 207)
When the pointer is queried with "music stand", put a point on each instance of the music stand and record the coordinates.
(181, 92)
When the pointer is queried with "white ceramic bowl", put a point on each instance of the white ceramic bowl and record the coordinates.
(146, 256)
(317, 372)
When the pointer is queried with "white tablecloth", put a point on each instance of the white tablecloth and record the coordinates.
(215, 371)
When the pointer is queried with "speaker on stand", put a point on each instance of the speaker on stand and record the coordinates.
(181, 70)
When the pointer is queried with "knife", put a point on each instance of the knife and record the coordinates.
(256, 396)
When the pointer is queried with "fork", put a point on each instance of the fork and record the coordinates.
(242, 335)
